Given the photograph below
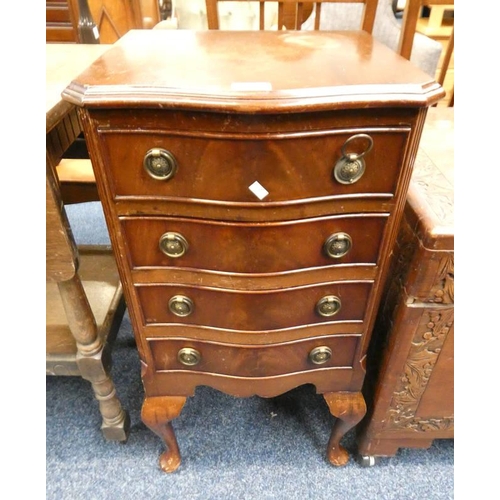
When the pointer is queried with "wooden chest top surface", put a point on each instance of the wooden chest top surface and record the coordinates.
(430, 208)
(252, 71)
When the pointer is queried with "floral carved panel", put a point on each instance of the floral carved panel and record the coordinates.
(424, 353)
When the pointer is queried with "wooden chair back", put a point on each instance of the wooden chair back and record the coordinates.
(291, 13)
(409, 24)
(409, 27)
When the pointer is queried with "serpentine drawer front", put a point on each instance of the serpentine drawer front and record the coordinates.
(256, 310)
(291, 165)
(253, 361)
(253, 248)
(252, 207)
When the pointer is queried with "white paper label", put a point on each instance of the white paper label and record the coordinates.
(258, 190)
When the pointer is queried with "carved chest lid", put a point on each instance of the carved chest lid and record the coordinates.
(258, 71)
(430, 207)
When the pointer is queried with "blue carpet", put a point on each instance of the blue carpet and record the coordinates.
(232, 448)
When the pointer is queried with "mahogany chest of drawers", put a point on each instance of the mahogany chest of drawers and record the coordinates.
(252, 184)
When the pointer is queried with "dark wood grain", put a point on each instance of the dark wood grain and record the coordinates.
(255, 211)
(254, 268)
(252, 337)
(254, 248)
(254, 282)
(290, 64)
(161, 383)
(282, 163)
(262, 310)
(251, 360)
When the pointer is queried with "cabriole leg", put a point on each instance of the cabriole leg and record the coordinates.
(157, 413)
(349, 408)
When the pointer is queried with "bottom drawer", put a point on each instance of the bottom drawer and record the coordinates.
(254, 360)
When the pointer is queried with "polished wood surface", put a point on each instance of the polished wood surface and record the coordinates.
(254, 361)
(280, 159)
(349, 409)
(254, 269)
(254, 311)
(157, 413)
(255, 248)
(281, 71)
(410, 383)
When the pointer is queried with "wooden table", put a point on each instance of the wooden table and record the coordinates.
(63, 62)
(84, 294)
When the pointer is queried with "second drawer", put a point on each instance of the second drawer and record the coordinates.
(253, 247)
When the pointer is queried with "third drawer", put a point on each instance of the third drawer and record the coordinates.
(254, 311)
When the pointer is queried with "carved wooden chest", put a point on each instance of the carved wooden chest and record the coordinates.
(411, 370)
(252, 184)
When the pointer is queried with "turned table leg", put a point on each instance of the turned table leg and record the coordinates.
(157, 412)
(349, 408)
(90, 359)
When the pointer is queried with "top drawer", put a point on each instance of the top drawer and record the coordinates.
(221, 167)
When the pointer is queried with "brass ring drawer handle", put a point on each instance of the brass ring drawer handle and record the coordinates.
(160, 164)
(180, 305)
(320, 355)
(337, 245)
(328, 306)
(351, 166)
(173, 244)
(188, 356)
